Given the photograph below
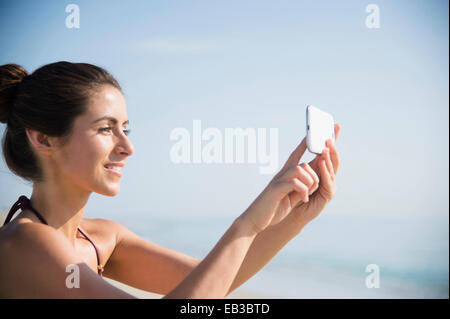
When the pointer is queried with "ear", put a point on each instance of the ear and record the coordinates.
(42, 143)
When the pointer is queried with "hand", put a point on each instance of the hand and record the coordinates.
(294, 186)
(324, 167)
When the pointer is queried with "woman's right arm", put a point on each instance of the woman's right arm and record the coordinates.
(213, 277)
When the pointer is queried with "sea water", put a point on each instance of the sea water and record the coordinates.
(328, 259)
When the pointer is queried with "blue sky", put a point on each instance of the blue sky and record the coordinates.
(257, 64)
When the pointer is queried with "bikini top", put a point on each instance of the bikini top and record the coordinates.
(24, 203)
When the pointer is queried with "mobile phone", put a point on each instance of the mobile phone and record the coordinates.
(319, 128)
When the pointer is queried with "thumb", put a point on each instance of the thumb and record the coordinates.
(296, 155)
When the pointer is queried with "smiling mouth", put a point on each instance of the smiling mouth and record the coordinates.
(116, 170)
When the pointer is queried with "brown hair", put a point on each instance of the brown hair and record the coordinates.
(48, 100)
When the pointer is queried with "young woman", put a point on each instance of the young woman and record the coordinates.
(66, 132)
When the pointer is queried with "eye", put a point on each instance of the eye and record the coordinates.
(108, 129)
(103, 129)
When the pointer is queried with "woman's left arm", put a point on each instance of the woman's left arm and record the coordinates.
(270, 241)
(146, 265)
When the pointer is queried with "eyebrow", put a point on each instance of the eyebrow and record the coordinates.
(110, 119)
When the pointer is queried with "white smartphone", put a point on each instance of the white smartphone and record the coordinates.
(319, 128)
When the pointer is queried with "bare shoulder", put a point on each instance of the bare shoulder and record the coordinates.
(35, 261)
(103, 229)
(33, 255)
(21, 236)
(106, 227)
(99, 225)
(30, 240)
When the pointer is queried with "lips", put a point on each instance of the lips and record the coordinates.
(114, 168)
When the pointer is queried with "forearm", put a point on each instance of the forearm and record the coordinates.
(265, 246)
(214, 275)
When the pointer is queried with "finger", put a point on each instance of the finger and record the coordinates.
(295, 156)
(334, 155)
(302, 189)
(324, 173)
(295, 198)
(295, 185)
(337, 129)
(313, 175)
(315, 162)
(326, 155)
(300, 173)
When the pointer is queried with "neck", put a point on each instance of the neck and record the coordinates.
(61, 206)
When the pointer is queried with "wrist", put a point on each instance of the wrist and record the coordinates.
(244, 225)
(304, 215)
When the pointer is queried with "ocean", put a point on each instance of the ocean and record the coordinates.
(328, 259)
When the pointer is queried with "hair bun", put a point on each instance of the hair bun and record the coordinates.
(10, 77)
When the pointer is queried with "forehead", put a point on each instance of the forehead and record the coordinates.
(107, 101)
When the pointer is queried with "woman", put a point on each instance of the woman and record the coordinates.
(67, 133)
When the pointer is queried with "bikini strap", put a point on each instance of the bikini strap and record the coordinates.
(100, 267)
(22, 203)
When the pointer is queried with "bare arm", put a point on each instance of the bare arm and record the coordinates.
(213, 277)
(264, 247)
(145, 265)
(268, 242)
(240, 253)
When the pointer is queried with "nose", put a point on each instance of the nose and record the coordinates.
(125, 147)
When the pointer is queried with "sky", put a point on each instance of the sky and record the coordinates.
(257, 64)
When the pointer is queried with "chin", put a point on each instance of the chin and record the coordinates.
(113, 191)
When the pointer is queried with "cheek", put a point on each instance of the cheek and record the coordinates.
(85, 156)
